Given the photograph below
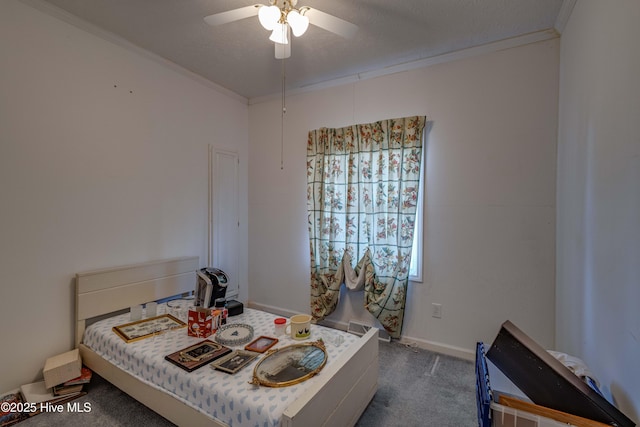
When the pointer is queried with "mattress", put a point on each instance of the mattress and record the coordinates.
(229, 398)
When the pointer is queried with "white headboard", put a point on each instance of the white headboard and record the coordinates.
(104, 291)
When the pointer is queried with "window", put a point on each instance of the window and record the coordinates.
(415, 269)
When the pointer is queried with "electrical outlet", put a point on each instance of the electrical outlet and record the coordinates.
(436, 310)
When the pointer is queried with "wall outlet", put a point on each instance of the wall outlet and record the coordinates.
(436, 310)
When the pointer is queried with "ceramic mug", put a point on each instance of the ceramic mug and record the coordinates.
(299, 327)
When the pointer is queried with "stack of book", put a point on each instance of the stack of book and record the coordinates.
(73, 386)
(37, 393)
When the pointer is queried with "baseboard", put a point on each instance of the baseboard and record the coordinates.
(335, 324)
(449, 350)
(271, 309)
(360, 328)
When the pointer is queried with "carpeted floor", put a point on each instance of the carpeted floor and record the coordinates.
(417, 388)
(422, 389)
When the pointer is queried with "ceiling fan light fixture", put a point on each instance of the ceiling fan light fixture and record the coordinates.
(298, 22)
(281, 17)
(279, 34)
(269, 16)
(282, 51)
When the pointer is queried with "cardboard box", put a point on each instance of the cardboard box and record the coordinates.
(203, 322)
(61, 368)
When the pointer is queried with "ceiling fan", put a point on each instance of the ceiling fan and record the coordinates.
(281, 17)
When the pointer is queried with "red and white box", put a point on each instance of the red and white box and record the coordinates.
(203, 322)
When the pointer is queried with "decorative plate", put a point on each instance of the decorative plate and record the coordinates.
(234, 334)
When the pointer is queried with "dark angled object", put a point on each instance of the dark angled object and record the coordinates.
(546, 381)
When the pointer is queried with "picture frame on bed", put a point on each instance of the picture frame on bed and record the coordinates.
(145, 328)
(261, 344)
(198, 355)
(234, 361)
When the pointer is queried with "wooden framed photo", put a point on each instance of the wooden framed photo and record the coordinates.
(234, 361)
(145, 328)
(198, 355)
(261, 344)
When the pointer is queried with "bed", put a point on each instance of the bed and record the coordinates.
(336, 396)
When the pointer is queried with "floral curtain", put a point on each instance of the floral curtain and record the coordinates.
(362, 190)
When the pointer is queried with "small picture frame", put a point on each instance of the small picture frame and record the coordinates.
(234, 361)
(200, 352)
(198, 355)
(146, 328)
(261, 344)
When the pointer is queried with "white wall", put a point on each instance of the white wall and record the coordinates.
(490, 200)
(103, 162)
(598, 236)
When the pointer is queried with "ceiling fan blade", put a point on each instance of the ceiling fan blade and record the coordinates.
(232, 15)
(331, 23)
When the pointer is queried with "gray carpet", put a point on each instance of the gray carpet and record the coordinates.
(419, 388)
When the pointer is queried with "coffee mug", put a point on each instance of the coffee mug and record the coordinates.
(300, 327)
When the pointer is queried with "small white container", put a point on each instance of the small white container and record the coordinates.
(279, 326)
(151, 309)
(136, 312)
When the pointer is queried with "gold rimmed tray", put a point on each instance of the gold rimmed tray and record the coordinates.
(290, 365)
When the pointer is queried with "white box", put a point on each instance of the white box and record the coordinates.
(61, 368)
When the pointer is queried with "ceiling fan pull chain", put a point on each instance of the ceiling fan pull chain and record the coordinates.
(283, 112)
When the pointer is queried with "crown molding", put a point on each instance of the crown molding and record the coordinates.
(563, 15)
(421, 63)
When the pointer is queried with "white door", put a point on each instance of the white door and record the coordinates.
(224, 248)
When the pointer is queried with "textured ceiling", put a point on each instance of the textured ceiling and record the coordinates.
(239, 56)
